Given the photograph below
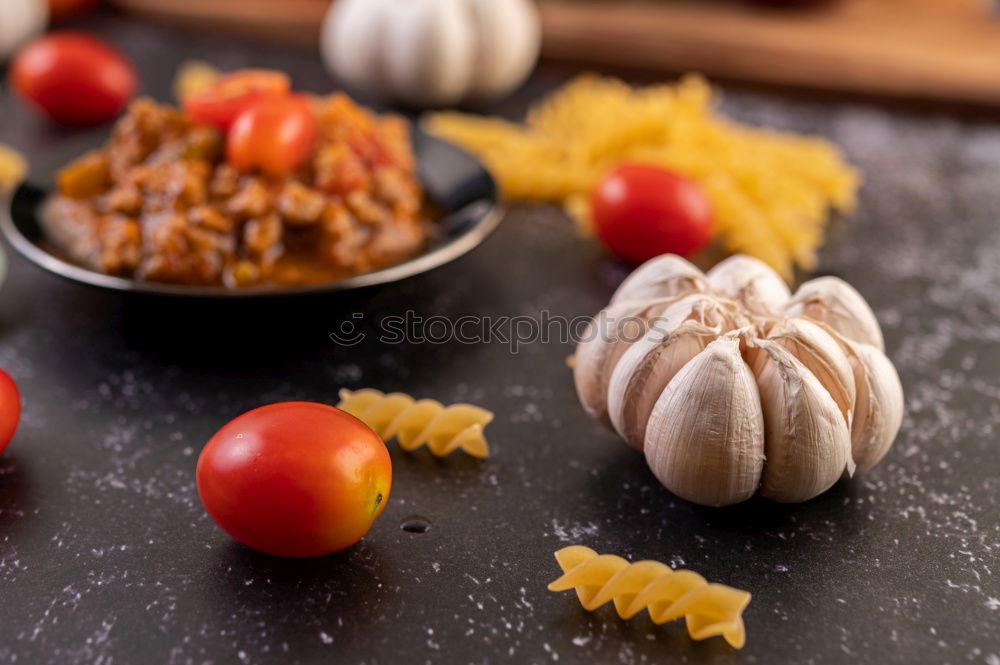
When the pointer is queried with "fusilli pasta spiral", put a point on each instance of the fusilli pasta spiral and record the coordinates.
(415, 423)
(709, 609)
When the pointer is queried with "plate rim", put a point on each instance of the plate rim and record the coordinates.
(425, 262)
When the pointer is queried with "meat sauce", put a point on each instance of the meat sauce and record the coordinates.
(158, 202)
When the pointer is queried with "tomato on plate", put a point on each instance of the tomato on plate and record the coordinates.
(274, 135)
(74, 78)
(641, 211)
(233, 93)
(10, 409)
(295, 479)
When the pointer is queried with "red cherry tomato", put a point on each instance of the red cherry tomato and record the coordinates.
(295, 479)
(74, 78)
(642, 211)
(10, 409)
(233, 93)
(60, 9)
(274, 135)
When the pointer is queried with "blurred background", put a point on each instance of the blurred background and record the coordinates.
(946, 50)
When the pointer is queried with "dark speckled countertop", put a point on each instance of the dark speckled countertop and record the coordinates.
(107, 557)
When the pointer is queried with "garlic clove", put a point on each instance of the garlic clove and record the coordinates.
(664, 276)
(645, 369)
(878, 410)
(705, 436)
(837, 304)
(750, 282)
(823, 355)
(807, 443)
(606, 338)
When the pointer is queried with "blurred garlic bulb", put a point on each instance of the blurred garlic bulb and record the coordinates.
(20, 20)
(431, 52)
(731, 386)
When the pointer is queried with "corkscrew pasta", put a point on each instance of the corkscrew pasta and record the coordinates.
(709, 609)
(770, 191)
(416, 423)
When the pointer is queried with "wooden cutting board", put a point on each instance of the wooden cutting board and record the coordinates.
(941, 50)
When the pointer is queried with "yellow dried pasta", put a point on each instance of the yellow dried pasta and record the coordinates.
(192, 77)
(771, 191)
(416, 423)
(13, 167)
(708, 609)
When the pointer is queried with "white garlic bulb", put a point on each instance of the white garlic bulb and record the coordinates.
(431, 52)
(731, 386)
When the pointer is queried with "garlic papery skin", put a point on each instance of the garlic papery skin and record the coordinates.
(807, 444)
(878, 410)
(645, 369)
(750, 282)
(664, 276)
(823, 355)
(606, 338)
(837, 304)
(705, 435)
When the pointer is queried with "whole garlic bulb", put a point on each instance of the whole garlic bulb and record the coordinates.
(20, 20)
(431, 52)
(731, 386)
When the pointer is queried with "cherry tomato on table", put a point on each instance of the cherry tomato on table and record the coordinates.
(234, 93)
(274, 135)
(10, 409)
(642, 211)
(295, 479)
(74, 78)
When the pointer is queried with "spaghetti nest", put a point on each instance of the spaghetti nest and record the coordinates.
(771, 192)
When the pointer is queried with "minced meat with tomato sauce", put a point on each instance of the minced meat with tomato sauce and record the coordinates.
(159, 203)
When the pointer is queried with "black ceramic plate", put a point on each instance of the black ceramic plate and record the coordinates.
(458, 187)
